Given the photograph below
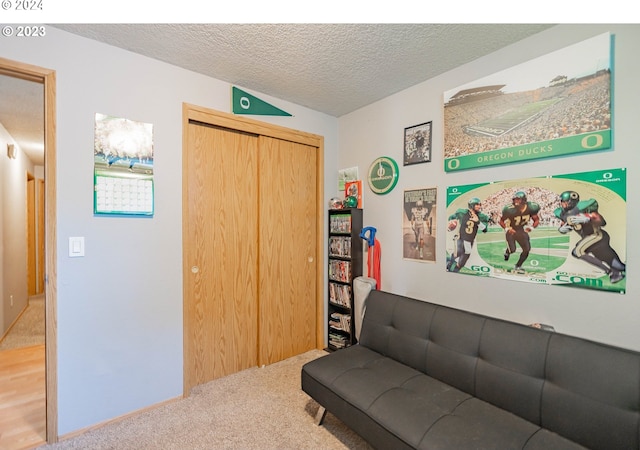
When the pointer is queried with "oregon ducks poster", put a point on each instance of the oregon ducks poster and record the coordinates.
(554, 105)
(567, 230)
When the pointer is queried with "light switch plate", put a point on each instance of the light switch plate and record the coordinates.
(76, 247)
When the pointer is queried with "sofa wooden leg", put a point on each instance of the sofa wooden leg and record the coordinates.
(322, 412)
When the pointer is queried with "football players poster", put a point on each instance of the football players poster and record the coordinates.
(554, 105)
(565, 230)
(418, 224)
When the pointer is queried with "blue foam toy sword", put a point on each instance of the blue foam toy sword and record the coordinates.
(374, 253)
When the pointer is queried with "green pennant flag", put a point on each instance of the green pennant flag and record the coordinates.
(245, 103)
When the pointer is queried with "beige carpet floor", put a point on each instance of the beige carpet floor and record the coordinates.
(258, 408)
(28, 330)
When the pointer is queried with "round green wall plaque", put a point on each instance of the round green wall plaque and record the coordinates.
(383, 175)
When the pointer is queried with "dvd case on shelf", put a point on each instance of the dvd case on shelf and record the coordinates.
(340, 246)
(340, 294)
(340, 223)
(340, 271)
(340, 321)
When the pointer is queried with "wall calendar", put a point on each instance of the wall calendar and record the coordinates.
(123, 167)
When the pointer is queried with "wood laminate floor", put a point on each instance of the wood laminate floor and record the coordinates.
(22, 398)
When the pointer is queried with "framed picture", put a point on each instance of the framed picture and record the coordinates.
(419, 224)
(354, 189)
(417, 144)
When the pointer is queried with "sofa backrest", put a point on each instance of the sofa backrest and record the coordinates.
(397, 327)
(592, 393)
(583, 390)
(511, 367)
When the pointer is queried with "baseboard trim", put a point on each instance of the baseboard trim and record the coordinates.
(97, 426)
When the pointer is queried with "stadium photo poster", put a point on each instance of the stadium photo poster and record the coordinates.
(567, 230)
(418, 224)
(555, 105)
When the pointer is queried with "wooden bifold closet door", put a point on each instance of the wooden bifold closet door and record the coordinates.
(288, 259)
(250, 238)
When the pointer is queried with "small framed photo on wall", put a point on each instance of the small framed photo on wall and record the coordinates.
(417, 144)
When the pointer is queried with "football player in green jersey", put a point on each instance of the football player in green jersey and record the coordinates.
(470, 220)
(594, 244)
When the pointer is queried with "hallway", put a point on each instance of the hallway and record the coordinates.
(28, 330)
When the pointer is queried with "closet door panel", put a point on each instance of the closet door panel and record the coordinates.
(221, 253)
(287, 258)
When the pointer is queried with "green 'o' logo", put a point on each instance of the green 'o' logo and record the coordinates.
(383, 175)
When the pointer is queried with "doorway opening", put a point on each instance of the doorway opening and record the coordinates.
(41, 264)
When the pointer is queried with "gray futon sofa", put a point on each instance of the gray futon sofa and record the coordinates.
(432, 377)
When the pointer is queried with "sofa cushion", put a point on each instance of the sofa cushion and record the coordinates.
(546, 440)
(365, 384)
(476, 424)
(380, 387)
(422, 400)
(315, 382)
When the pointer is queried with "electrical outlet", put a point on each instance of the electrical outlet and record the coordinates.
(11, 298)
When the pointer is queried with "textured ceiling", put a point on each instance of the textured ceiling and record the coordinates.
(331, 68)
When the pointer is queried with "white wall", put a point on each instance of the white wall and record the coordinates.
(120, 307)
(378, 129)
(13, 231)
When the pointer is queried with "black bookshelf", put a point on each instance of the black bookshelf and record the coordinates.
(345, 264)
